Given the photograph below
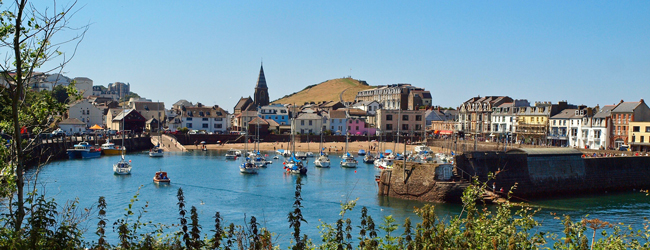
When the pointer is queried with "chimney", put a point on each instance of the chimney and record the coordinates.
(642, 100)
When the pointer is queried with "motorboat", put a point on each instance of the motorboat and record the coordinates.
(110, 148)
(84, 150)
(122, 167)
(232, 154)
(322, 161)
(161, 177)
(348, 161)
(309, 154)
(156, 152)
(383, 163)
(361, 152)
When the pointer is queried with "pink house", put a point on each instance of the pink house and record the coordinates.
(358, 126)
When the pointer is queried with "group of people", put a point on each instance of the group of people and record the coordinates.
(612, 155)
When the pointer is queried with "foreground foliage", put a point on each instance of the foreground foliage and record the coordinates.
(478, 226)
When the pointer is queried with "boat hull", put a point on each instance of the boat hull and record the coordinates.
(73, 154)
(91, 154)
(112, 151)
(322, 164)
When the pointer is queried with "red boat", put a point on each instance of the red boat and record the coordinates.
(161, 177)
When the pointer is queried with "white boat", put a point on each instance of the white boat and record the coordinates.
(348, 161)
(295, 166)
(309, 154)
(247, 166)
(122, 167)
(322, 161)
(301, 155)
(259, 160)
(383, 163)
(156, 152)
(422, 149)
(232, 154)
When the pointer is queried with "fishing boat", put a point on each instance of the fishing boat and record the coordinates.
(123, 167)
(110, 148)
(161, 177)
(84, 150)
(361, 152)
(232, 154)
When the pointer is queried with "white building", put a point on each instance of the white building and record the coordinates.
(211, 119)
(370, 107)
(309, 122)
(87, 113)
(84, 86)
(598, 135)
(71, 126)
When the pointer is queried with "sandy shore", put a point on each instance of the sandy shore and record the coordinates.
(353, 147)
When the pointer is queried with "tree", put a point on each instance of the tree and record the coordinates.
(60, 93)
(27, 35)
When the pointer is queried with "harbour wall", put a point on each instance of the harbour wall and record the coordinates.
(544, 175)
(191, 139)
(419, 181)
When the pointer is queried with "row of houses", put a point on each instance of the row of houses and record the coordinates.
(557, 124)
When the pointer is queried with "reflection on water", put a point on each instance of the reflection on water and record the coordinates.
(213, 184)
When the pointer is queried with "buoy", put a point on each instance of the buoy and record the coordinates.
(355, 171)
(129, 161)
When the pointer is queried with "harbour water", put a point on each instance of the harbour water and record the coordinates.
(211, 183)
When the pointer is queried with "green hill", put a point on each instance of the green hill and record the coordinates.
(326, 91)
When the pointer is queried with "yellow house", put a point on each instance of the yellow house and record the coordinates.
(639, 139)
(532, 123)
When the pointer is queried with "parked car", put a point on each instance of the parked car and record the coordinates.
(624, 148)
(58, 133)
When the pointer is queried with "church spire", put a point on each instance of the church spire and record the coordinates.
(261, 80)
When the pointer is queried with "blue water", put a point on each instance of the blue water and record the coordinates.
(211, 183)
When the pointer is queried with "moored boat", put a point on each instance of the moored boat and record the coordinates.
(122, 167)
(369, 158)
(322, 161)
(161, 177)
(156, 152)
(84, 150)
(110, 148)
(361, 152)
(232, 154)
(348, 161)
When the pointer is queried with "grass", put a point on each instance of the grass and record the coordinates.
(326, 91)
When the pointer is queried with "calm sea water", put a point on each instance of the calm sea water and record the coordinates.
(211, 183)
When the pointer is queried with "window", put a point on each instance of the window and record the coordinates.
(205, 119)
(310, 123)
(357, 121)
(200, 113)
(418, 126)
(405, 117)
(205, 125)
(647, 129)
(389, 126)
(218, 125)
(218, 119)
(188, 119)
(635, 129)
(641, 139)
(302, 123)
(188, 125)
(419, 117)
(332, 127)
(389, 117)
(357, 128)
(405, 127)
(349, 128)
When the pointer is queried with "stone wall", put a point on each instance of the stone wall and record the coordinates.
(418, 183)
(540, 176)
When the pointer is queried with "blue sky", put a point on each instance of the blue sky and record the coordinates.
(586, 52)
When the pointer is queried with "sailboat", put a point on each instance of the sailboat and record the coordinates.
(157, 151)
(293, 165)
(122, 167)
(247, 167)
(322, 161)
(347, 160)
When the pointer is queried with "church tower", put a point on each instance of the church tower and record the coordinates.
(261, 90)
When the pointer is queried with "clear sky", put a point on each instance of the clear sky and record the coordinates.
(586, 52)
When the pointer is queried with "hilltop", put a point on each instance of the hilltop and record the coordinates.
(326, 91)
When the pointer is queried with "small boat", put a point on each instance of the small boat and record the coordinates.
(322, 161)
(309, 154)
(259, 160)
(369, 158)
(248, 167)
(110, 148)
(156, 152)
(348, 161)
(383, 163)
(361, 152)
(161, 177)
(295, 166)
(122, 167)
(84, 150)
(232, 154)
(422, 149)
(301, 155)
(282, 152)
(276, 157)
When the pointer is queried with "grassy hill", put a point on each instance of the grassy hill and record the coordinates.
(326, 91)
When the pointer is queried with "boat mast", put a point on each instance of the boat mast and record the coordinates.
(398, 132)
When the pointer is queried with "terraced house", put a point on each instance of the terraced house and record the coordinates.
(210, 119)
(504, 120)
(622, 115)
(475, 115)
(533, 122)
